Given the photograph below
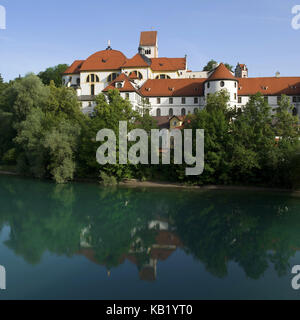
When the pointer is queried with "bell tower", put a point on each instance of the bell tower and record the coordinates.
(149, 44)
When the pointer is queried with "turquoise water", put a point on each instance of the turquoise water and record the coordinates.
(81, 241)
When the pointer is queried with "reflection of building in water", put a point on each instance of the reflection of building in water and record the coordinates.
(145, 258)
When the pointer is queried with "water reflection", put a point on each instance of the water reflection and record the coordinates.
(145, 226)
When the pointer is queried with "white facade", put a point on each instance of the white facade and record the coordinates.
(88, 84)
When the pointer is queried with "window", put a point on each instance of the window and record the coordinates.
(162, 76)
(266, 98)
(278, 99)
(222, 84)
(147, 100)
(112, 77)
(240, 100)
(196, 100)
(296, 99)
(158, 100)
(170, 112)
(92, 89)
(208, 85)
(170, 100)
(235, 84)
(119, 85)
(158, 112)
(92, 78)
(148, 51)
(235, 96)
(295, 112)
(183, 100)
(127, 95)
(183, 112)
(78, 81)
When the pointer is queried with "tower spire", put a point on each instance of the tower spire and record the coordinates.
(108, 45)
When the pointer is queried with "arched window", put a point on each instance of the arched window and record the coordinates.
(137, 74)
(92, 78)
(183, 112)
(222, 84)
(171, 112)
(78, 81)
(112, 77)
(158, 112)
(208, 85)
(163, 76)
(295, 112)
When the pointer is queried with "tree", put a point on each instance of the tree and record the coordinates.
(214, 119)
(53, 73)
(211, 64)
(24, 95)
(253, 148)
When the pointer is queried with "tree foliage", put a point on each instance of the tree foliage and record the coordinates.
(53, 74)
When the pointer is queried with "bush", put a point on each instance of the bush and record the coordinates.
(107, 180)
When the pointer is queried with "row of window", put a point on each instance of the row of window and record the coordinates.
(222, 84)
(171, 112)
(183, 100)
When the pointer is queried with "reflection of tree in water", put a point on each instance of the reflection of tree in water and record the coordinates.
(243, 228)
(111, 225)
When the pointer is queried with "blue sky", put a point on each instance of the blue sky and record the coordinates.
(40, 34)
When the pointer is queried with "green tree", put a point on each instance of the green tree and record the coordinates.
(214, 119)
(210, 66)
(54, 74)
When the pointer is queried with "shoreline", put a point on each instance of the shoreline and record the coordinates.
(153, 184)
(133, 183)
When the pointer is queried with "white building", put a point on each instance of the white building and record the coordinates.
(167, 84)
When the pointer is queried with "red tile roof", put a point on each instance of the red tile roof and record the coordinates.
(163, 122)
(221, 73)
(74, 67)
(136, 61)
(127, 86)
(173, 88)
(168, 64)
(133, 76)
(148, 38)
(104, 60)
(269, 86)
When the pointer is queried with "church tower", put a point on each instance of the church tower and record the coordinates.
(149, 44)
(241, 71)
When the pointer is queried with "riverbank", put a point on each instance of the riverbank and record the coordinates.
(148, 184)
(133, 183)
